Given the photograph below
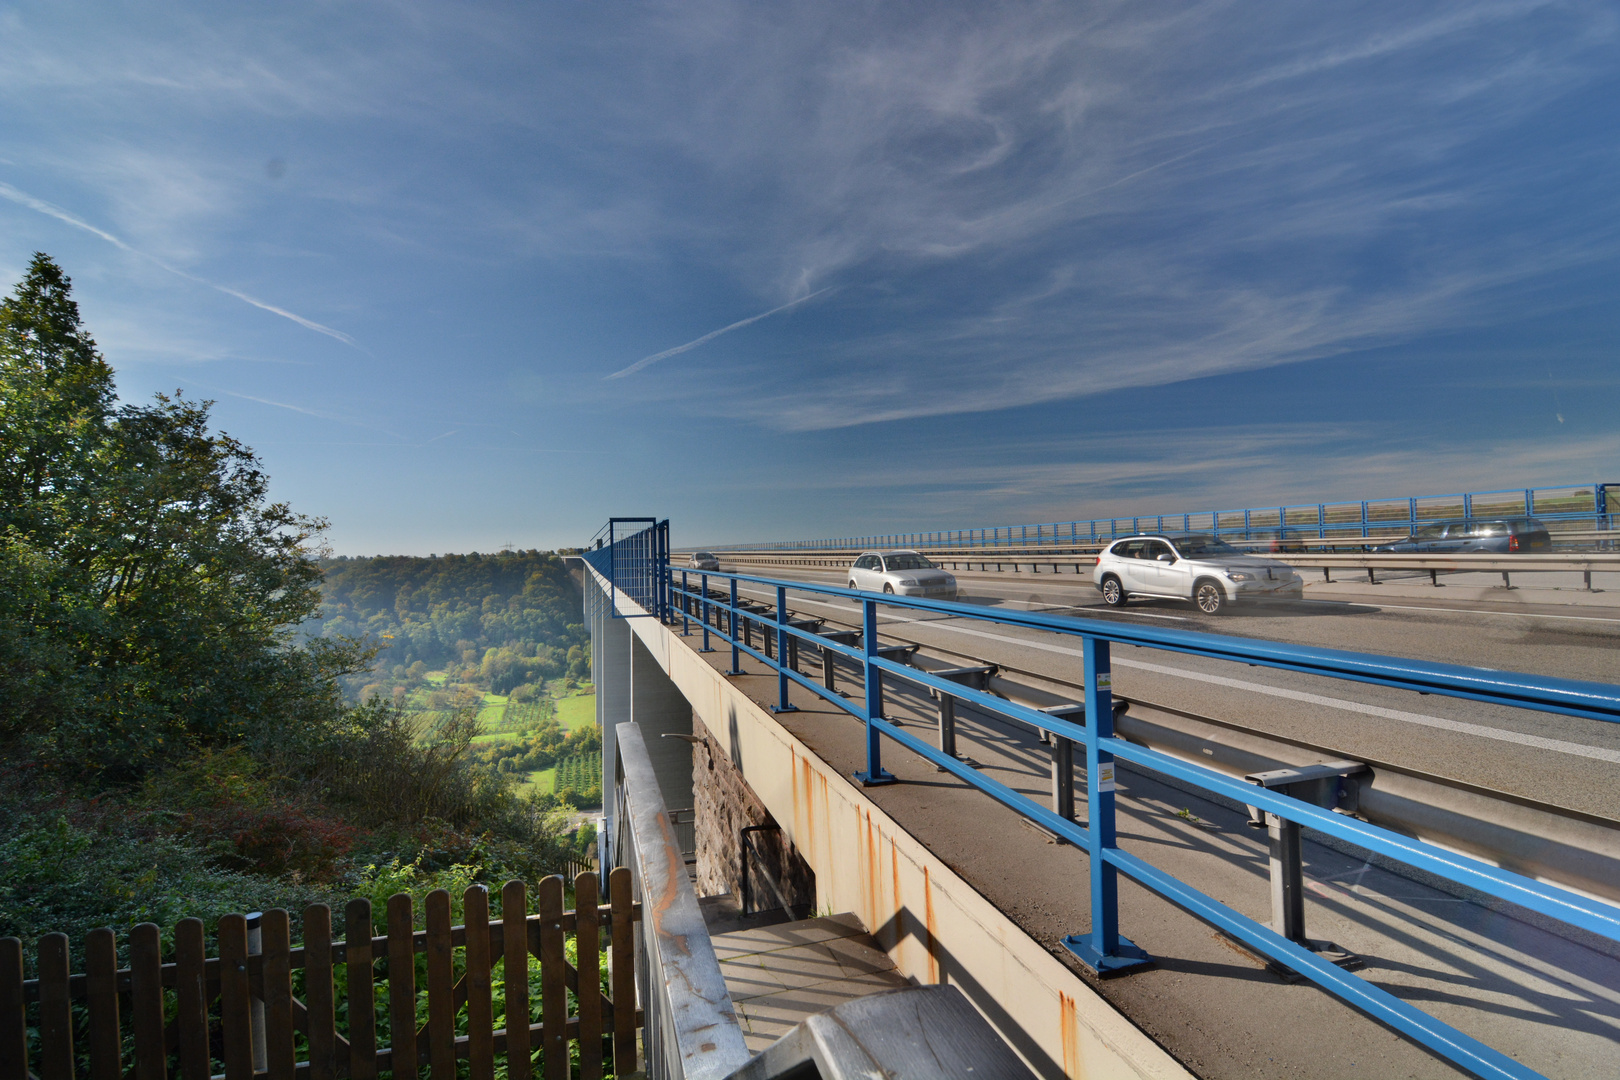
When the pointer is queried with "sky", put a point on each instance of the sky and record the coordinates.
(475, 274)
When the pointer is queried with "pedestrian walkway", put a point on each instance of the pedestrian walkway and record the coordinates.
(780, 974)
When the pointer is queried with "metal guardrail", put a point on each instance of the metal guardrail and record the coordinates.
(1573, 503)
(1104, 948)
(1585, 563)
(632, 562)
(690, 1031)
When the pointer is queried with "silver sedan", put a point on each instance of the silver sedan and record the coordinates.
(902, 573)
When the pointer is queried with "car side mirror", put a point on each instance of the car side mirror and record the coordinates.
(1167, 557)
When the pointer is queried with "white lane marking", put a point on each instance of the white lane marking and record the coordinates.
(1071, 607)
(1461, 611)
(1459, 726)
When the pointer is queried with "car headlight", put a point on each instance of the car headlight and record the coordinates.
(1238, 575)
(907, 581)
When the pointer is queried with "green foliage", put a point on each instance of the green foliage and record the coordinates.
(517, 613)
(546, 745)
(150, 585)
(579, 779)
(59, 873)
(181, 750)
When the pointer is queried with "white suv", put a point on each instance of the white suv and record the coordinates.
(1197, 567)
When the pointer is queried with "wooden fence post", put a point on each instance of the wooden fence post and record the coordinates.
(588, 952)
(146, 1002)
(235, 998)
(320, 1019)
(515, 950)
(553, 980)
(622, 974)
(13, 1010)
(55, 1010)
(276, 989)
(402, 988)
(480, 1011)
(441, 988)
(191, 999)
(362, 997)
(101, 994)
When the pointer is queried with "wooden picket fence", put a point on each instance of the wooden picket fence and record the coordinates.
(237, 1011)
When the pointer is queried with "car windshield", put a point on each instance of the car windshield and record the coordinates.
(704, 555)
(1193, 547)
(907, 562)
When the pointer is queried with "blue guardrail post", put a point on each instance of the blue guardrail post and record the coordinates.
(782, 703)
(705, 587)
(736, 654)
(1103, 950)
(874, 773)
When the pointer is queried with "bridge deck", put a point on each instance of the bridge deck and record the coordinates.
(1544, 999)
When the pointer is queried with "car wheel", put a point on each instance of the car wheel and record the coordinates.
(1208, 596)
(1113, 592)
(888, 588)
(852, 585)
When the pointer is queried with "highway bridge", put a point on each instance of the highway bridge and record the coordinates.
(1462, 865)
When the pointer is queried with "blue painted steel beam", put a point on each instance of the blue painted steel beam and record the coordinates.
(1435, 1035)
(1570, 697)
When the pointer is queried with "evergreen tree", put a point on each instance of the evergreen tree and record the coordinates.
(150, 589)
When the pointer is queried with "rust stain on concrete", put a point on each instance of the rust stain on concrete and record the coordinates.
(899, 933)
(928, 927)
(1068, 1033)
(874, 886)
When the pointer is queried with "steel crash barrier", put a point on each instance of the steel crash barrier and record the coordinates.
(687, 597)
(1565, 506)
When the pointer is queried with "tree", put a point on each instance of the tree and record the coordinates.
(151, 589)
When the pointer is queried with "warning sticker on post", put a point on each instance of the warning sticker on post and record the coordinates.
(1105, 776)
(1105, 680)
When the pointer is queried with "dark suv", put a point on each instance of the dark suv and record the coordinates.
(1476, 534)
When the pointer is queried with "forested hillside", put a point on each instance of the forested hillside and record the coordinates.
(502, 621)
(174, 741)
(496, 638)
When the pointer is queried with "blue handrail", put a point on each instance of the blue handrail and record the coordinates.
(1103, 947)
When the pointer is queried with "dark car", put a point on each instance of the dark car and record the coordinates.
(1475, 534)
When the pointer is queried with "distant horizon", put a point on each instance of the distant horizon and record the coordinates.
(686, 546)
(495, 273)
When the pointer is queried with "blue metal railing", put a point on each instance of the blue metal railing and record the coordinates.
(634, 563)
(1569, 504)
(689, 598)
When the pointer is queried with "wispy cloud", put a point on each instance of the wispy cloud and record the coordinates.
(51, 210)
(648, 361)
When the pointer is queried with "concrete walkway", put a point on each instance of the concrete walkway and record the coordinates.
(780, 974)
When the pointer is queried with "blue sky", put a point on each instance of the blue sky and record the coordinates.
(441, 263)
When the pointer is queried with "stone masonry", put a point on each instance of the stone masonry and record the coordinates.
(724, 805)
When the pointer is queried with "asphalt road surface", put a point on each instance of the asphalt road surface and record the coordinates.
(1564, 761)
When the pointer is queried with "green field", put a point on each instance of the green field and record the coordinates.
(541, 782)
(577, 712)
